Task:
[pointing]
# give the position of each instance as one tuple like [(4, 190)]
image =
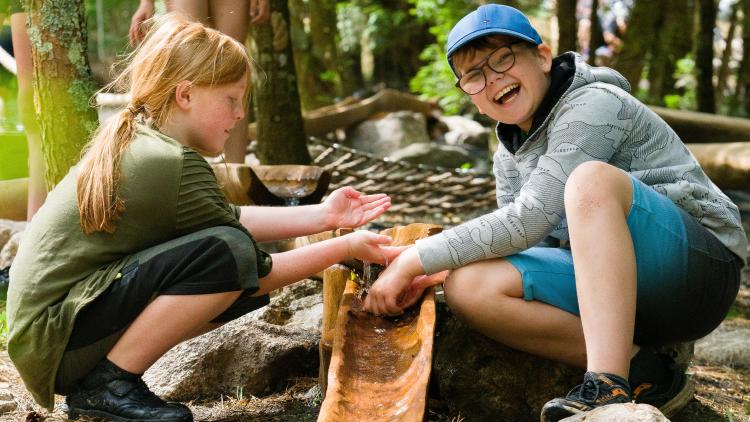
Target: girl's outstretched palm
[(347, 207)]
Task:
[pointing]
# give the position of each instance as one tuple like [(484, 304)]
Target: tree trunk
[(726, 55), (704, 56), (63, 84), (280, 132), (314, 52), (742, 91), (567, 26), (638, 40), (596, 39), (671, 45)]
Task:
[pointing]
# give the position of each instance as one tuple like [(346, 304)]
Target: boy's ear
[(544, 54), (182, 94)]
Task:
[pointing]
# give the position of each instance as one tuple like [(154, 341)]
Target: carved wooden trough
[(379, 367)]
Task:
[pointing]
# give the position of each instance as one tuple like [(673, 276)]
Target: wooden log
[(13, 197), (379, 366), (698, 127), (728, 165), (350, 112)]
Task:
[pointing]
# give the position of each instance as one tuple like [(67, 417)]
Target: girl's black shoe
[(113, 394)]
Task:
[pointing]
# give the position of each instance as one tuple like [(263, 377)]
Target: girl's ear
[(544, 54), (182, 94)]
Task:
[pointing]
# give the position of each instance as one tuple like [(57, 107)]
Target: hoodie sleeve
[(590, 124)]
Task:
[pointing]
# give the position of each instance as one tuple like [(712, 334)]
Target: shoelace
[(589, 386)]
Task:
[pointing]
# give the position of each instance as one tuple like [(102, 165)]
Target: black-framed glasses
[(499, 60)]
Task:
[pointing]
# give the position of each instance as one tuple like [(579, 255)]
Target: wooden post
[(334, 282)]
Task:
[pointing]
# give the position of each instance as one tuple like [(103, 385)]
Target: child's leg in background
[(25, 73)]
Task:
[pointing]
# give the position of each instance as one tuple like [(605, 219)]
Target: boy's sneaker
[(598, 389), (113, 394), (659, 379)]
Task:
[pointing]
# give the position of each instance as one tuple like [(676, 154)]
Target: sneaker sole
[(74, 414), (682, 398)]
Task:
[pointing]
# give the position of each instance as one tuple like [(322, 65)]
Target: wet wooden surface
[(380, 367)]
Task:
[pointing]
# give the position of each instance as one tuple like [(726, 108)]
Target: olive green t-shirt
[(168, 191)]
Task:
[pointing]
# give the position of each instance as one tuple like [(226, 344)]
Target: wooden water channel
[(374, 368)]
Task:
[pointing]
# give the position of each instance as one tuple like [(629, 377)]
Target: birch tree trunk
[(63, 85)]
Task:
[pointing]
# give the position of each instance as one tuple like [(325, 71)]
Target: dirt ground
[(722, 394)]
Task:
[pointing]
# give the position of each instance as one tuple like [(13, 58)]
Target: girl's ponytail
[(98, 200)]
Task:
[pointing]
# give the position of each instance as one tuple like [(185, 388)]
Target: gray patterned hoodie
[(594, 119)]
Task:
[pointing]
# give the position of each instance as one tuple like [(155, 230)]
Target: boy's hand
[(347, 207), (143, 13), (383, 297), (371, 247), (414, 290)]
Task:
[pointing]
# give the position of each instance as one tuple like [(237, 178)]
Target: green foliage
[(435, 78), (3, 327), (686, 83)]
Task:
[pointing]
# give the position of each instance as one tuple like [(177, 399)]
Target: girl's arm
[(294, 265), (344, 207)]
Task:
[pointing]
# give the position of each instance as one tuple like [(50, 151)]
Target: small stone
[(5, 395), (7, 406)]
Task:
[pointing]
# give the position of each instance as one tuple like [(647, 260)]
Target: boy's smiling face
[(513, 96)]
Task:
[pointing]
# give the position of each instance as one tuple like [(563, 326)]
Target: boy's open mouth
[(508, 94)]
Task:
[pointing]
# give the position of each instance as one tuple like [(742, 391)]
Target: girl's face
[(511, 97), (213, 113)]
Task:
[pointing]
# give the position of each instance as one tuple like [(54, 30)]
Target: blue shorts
[(687, 279)]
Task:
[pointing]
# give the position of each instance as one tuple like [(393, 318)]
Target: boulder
[(727, 345), (256, 354), (465, 131), (246, 355), (626, 412), (392, 132), (481, 379), (433, 154)]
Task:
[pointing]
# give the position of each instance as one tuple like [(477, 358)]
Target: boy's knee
[(460, 289), (593, 182)]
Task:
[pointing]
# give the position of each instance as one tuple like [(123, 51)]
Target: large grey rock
[(392, 132), (728, 345), (299, 305), (483, 380), (246, 355), (465, 131), (627, 412), (433, 154)]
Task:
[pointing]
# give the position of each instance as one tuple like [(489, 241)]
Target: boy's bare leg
[(165, 322), (231, 17), (488, 295), (597, 202), (25, 70)]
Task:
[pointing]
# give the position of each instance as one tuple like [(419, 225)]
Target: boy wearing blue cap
[(653, 249)]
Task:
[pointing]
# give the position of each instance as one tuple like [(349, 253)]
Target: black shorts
[(205, 262)]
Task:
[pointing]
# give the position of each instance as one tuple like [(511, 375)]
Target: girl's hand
[(347, 207), (383, 297), (371, 247), (143, 13)]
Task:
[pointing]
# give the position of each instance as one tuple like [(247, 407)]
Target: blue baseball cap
[(490, 19)]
